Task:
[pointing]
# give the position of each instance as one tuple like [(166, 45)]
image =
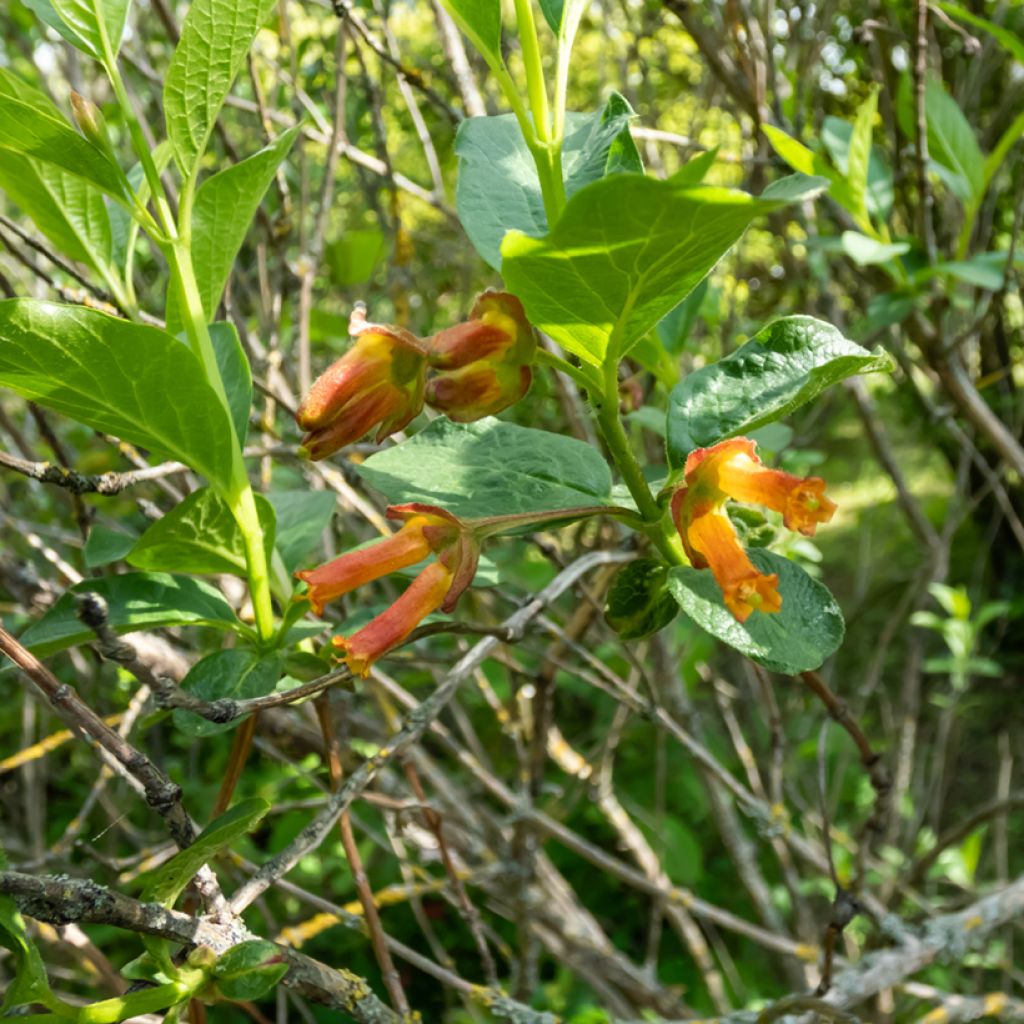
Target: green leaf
[(30, 984), (951, 139), (985, 270), (199, 535), (626, 251), (126, 379), (249, 970), (136, 600), (215, 38), (696, 168), (490, 468), (104, 546), (836, 137), (784, 365), (675, 328), (235, 372), (225, 205), (553, 11), (480, 20), (1009, 40), (952, 145), (69, 211), (302, 517), (169, 880), (238, 673), (796, 639), (638, 602), (353, 258), (865, 251), (858, 154), (84, 19), (498, 189), (32, 125)]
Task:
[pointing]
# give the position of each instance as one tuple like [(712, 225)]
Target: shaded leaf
[(136, 600), (490, 468), (199, 535), (498, 188), (237, 673), (168, 881)]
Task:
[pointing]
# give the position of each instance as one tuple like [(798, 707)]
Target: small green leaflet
[(199, 536), (798, 638), (249, 970), (638, 602), (30, 984), (627, 250), (79, 21), (784, 365), (67, 209), (126, 379), (498, 189), (34, 126), (136, 600), (865, 251), (490, 468), (215, 38), (480, 20), (166, 884), (237, 673)]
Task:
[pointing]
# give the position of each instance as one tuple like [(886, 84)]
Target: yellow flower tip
[(358, 662), (807, 506), (752, 593)]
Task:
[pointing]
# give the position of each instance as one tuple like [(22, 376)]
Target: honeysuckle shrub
[(595, 261)]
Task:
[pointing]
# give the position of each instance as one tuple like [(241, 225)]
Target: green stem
[(658, 530), (577, 373), (150, 1000), (175, 245), (535, 85)]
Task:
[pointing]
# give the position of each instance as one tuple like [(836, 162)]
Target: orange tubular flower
[(731, 469), (484, 364), (378, 383), (427, 530), (424, 595)]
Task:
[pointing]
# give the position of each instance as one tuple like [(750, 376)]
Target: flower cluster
[(731, 469), (426, 530), (483, 364), (468, 371)]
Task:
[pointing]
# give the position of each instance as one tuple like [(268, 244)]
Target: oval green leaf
[(122, 378), (784, 365), (626, 251), (796, 639), (490, 468), (136, 600)]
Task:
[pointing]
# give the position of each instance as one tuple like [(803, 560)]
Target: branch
[(416, 725), (163, 795), (94, 483), (60, 900)]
